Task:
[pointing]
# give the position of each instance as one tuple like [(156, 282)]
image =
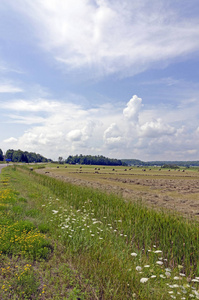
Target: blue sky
[(101, 77)]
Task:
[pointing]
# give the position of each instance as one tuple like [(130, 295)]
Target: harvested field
[(170, 189)]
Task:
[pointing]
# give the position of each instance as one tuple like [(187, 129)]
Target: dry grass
[(172, 190)]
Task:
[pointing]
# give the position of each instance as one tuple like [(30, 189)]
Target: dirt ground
[(169, 189)]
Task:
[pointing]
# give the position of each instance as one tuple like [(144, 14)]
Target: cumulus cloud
[(112, 136), (66, 128), (131, 112), (156, 128), (111, 36), (74, 135), (83, 134)]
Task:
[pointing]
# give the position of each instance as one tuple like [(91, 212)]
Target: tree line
[(169, 164), (94, 160), (22, 156)]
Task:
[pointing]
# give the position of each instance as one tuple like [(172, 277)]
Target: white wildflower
[(195, 280), (153, 276), (197, 294), (168, 270), (138, 268), (176, 278), (159, 262), (143, 280), (55, 211), (134, 254), (158, 251), (168, 274)]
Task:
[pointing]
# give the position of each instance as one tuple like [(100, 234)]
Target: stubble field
[(160, 188)]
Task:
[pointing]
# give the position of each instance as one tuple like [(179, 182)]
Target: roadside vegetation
[(60, 241)]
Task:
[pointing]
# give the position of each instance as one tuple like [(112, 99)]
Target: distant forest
[(31, 157), (94, 160), (22, 156), (137, 162)]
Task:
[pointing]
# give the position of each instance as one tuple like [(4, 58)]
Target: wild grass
[(143, 227), (25, 252), (122, 250)]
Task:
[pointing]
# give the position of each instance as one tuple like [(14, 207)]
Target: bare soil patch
[(173, 190)]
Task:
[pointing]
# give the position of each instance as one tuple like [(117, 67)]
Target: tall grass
[(143, 226), (127, 250)]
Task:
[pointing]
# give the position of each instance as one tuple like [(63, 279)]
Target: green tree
[(1, 155), (9, 154), (17, 156)]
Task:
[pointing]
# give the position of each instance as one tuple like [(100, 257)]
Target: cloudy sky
[(118, 78)]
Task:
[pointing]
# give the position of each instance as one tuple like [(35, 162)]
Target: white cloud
[(33, 106), (131, 112), (112, 136), (11, 140), (156, 128), (74, 135), (111, 36), (27, 120), (9, 88), (65, 128)]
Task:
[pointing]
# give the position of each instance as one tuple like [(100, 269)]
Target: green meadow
[(61, 241)]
